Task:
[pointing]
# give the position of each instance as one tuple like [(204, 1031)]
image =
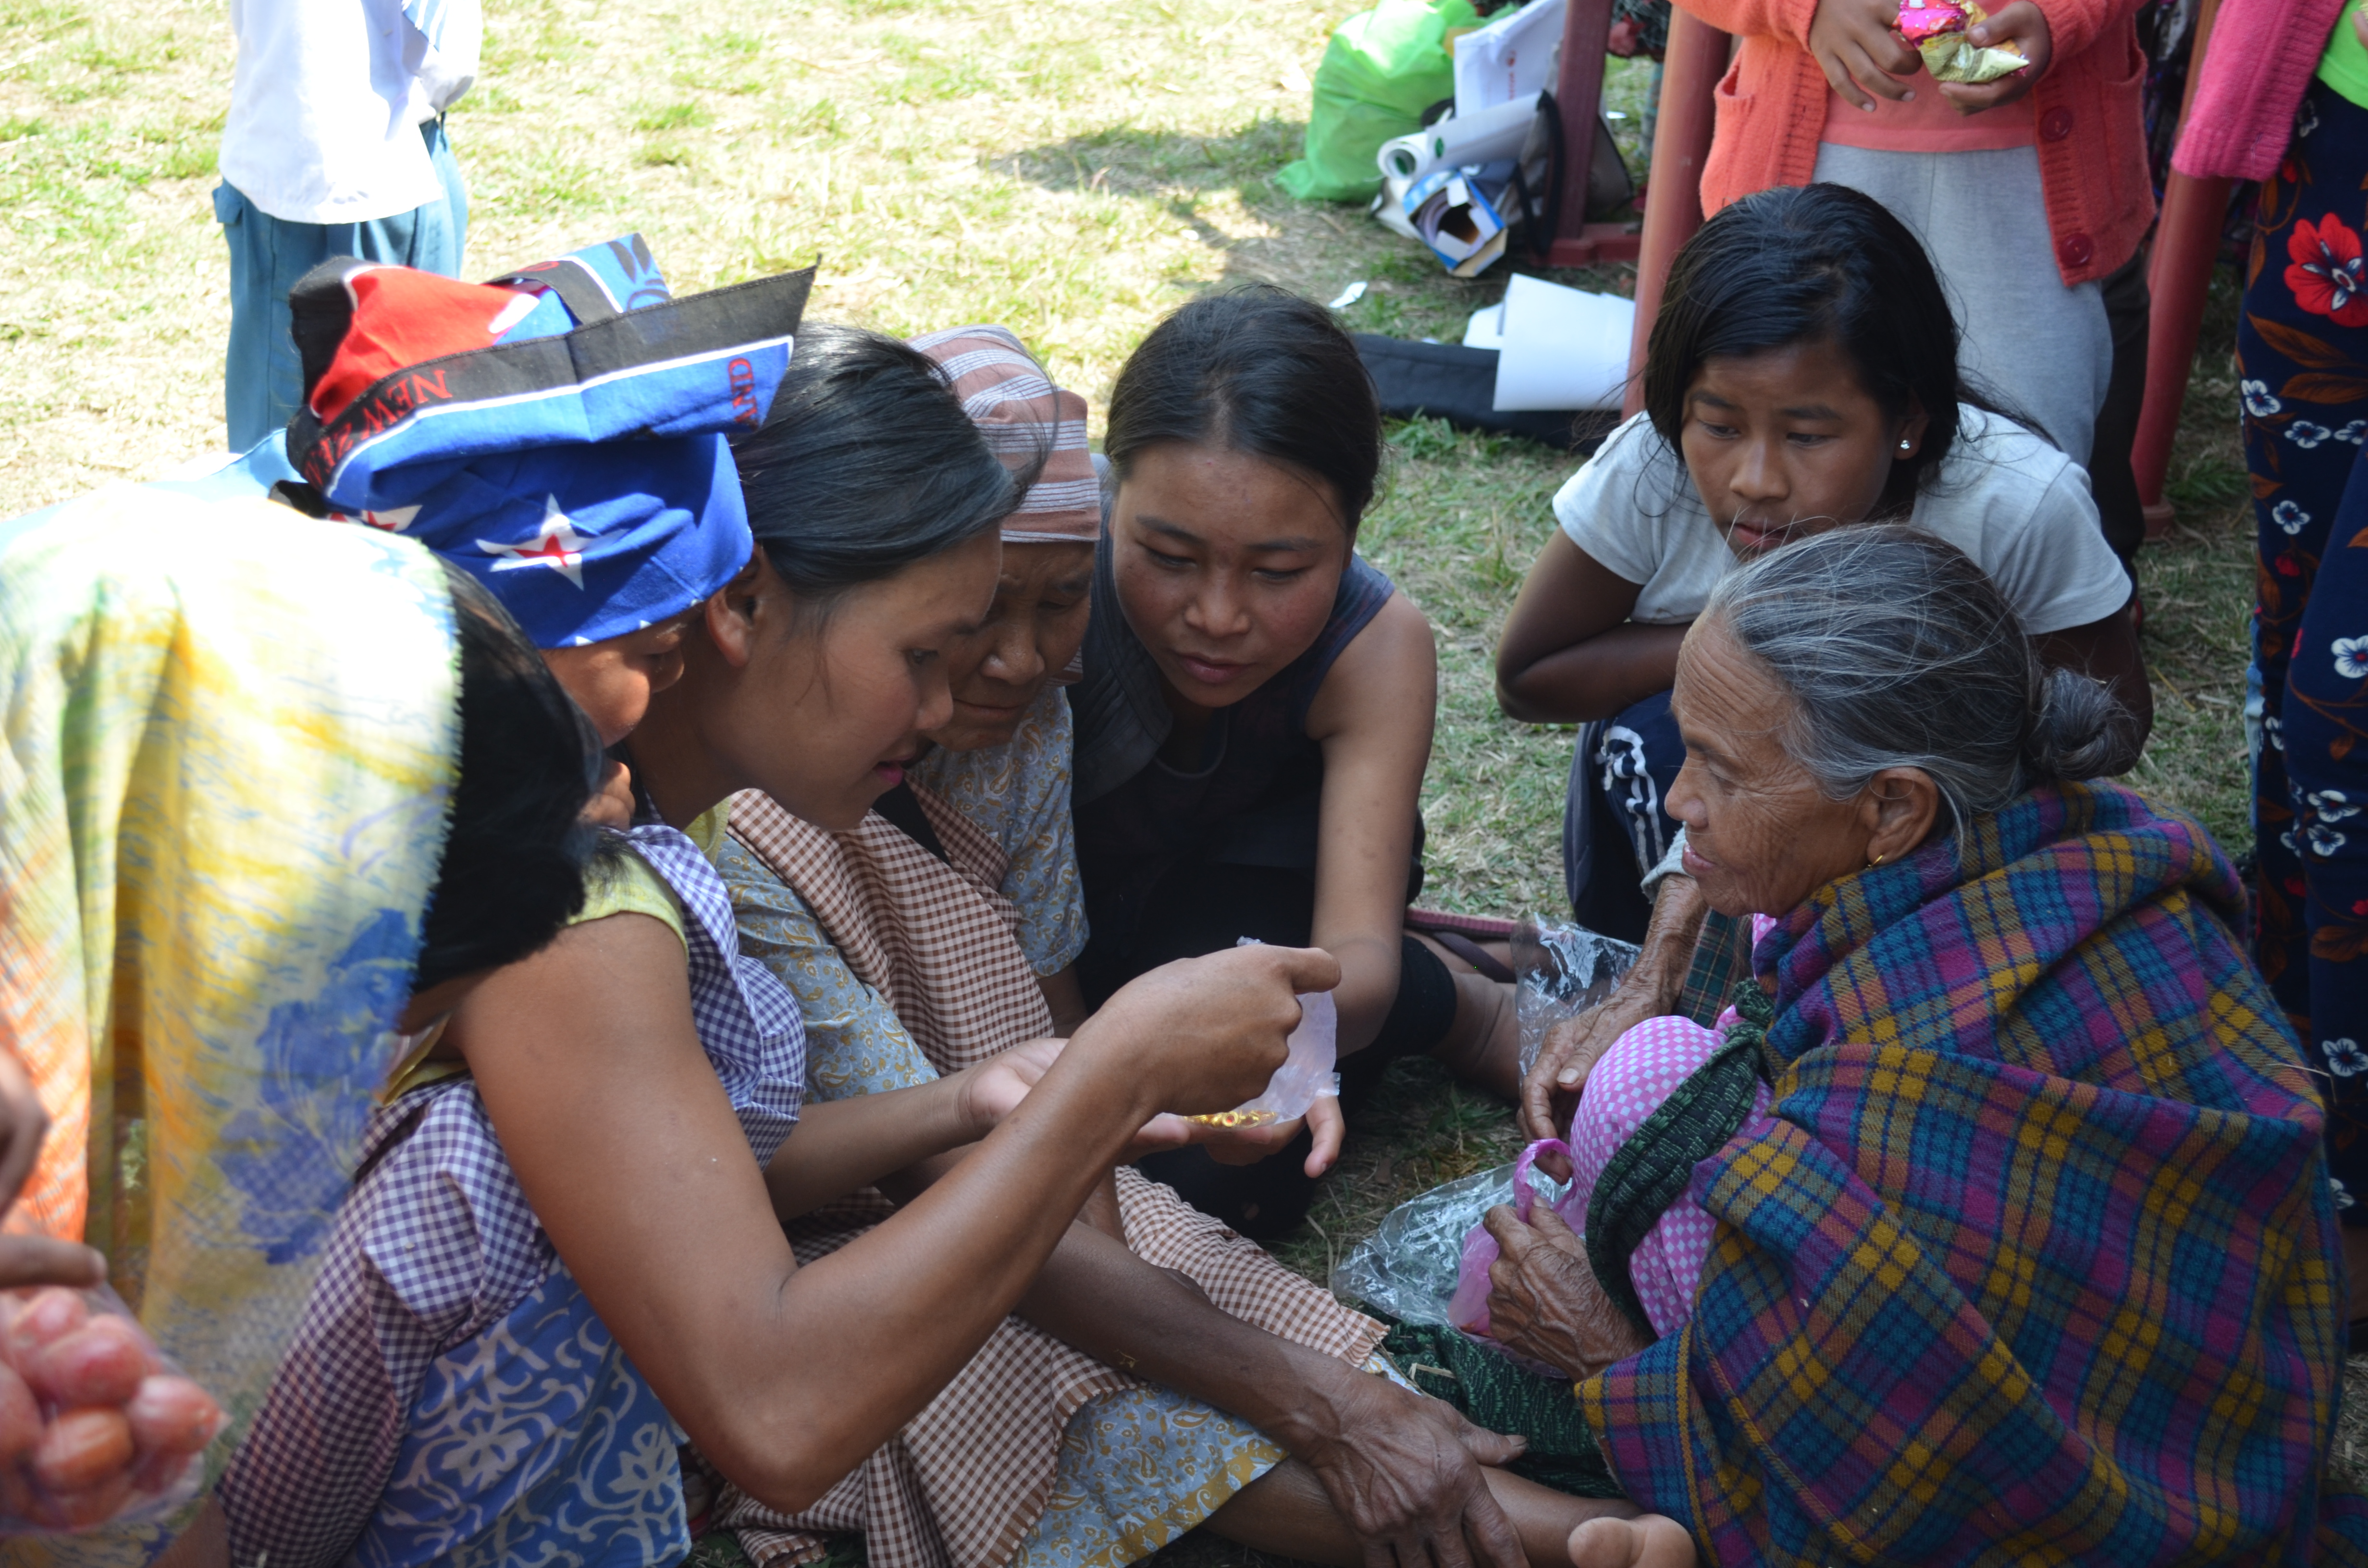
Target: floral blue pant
[(2325, 728), (2302, 350)]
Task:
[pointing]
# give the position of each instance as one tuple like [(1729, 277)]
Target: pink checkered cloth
[(1643, 1068)]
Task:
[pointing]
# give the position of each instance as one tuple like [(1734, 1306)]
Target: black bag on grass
[(1447, 381)]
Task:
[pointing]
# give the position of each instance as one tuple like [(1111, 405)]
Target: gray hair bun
[(2073, 732)]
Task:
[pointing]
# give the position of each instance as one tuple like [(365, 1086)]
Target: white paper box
[(1563, 349)]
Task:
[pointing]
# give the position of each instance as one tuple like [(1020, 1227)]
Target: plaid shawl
[(2036, 1261)]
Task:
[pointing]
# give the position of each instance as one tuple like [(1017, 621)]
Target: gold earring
[(1871, 865)]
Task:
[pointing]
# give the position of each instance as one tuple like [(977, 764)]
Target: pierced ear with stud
[(1906, 445)]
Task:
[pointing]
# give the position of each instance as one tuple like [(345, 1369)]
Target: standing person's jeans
[(262, 382)]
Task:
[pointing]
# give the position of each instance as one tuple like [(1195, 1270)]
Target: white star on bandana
[(557, 545), (395, 519)]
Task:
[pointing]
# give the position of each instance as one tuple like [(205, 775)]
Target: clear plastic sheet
[(1305, 1076), (1409, 1267), (1561, 971)]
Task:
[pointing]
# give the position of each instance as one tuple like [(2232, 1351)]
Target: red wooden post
[(2186, 243), (1578, 94), (1695, 60)]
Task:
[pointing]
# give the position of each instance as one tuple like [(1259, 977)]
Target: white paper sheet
[(1563, 349), (1515, 56), (1486, 327)]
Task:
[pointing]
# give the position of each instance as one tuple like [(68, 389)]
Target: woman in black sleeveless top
[(1256, 712)]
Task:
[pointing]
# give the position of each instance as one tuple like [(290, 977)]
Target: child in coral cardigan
[(2030, 192)]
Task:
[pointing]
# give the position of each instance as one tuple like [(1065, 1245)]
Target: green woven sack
[(1382, 68), (1493, 1392)]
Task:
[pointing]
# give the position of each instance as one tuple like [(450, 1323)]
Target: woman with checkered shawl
[(2032, 1255)]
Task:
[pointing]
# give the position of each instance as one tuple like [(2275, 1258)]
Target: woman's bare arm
[(1569, 652), (1373, 717), (787, 1378)]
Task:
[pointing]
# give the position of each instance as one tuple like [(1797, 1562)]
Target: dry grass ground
[(1073, 171)]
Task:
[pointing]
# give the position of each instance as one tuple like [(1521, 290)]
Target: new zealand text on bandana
[(559, 433)]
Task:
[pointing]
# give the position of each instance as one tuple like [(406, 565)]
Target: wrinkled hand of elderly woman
[(1404, 1473), (1543, 1301), (1571, 1048)]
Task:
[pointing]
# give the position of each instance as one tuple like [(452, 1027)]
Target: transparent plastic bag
[(1468, 1309), (1306, 1074), (97, 1426), (1560, 972)]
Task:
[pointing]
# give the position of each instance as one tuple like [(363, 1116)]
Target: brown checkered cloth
[(965, 1480)]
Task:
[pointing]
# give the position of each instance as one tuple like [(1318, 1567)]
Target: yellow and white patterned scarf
[(228, 737)]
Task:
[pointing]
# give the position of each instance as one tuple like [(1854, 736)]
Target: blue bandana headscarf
[(559, 434)]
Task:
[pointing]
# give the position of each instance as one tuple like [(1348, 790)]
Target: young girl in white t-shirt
[(1802, 375)]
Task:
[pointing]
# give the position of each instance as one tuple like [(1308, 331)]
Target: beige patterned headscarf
[(1024, 416)]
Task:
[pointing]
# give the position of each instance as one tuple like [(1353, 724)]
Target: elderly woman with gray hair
[(1996, 1226)]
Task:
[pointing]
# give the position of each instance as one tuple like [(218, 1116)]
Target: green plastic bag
[(1382, 68)]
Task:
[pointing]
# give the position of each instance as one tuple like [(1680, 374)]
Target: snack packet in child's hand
[(96, 1425), (1937, 28), (1920, 20)]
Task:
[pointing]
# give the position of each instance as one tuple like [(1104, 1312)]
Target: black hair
[(1800, 264), (514, 847), (866, 465), (1260, 371)]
